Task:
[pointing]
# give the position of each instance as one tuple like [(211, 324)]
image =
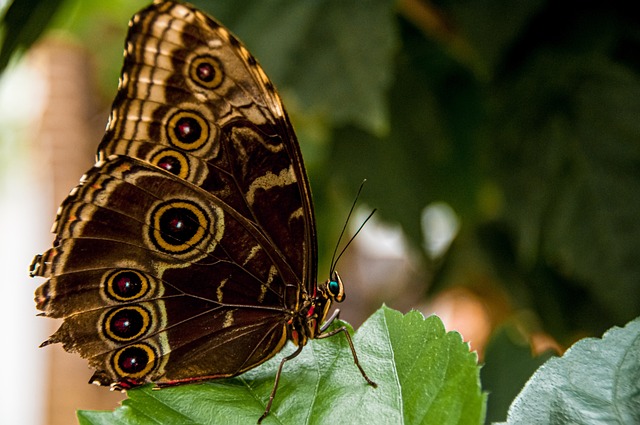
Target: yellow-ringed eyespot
[(126, 285), (173, 161), (188, 130), (206, 71), (178, 225), (126, 324), (134, 361)]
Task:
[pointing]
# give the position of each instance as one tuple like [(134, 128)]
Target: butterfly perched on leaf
[(188, 252)]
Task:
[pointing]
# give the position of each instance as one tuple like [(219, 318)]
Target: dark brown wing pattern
[(188, 252), (184, 251)]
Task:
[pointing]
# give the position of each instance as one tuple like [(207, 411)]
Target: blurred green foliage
[(508, 365), (523, 116)]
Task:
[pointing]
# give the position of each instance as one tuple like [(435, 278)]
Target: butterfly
[(188, 252)]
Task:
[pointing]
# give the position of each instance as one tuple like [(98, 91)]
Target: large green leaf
[(597, 381), (425, 375)]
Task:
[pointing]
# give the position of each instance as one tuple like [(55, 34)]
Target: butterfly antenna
[(334, 261), (352, 238)]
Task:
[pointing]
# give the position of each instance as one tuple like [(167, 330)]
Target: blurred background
[(500, 142)]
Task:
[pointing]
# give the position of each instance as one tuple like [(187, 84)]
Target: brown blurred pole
[(63, 149)]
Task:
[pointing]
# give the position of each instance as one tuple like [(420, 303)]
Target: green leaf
[(438, 375), (597, 381), (424, 375)]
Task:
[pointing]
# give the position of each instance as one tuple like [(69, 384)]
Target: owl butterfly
[(188, 252)]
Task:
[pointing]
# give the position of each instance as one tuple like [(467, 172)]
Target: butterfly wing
[(183, 252)]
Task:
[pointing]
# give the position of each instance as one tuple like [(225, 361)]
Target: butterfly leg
[(353, 350), (275, 384)]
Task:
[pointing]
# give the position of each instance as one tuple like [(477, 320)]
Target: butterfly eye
[(335, 288)]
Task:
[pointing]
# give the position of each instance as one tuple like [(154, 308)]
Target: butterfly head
[(333, 288)]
